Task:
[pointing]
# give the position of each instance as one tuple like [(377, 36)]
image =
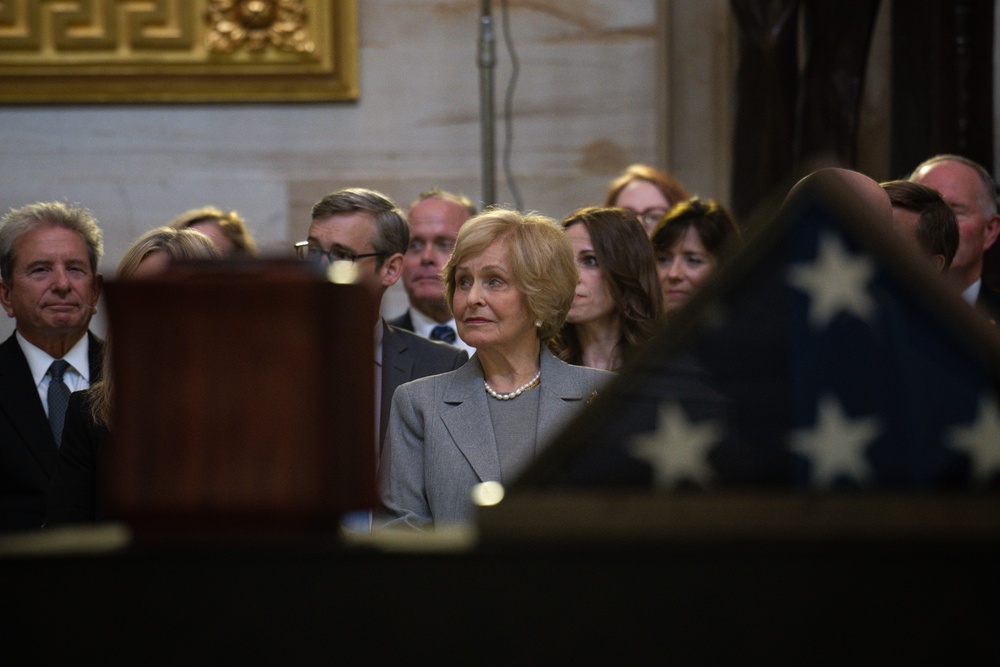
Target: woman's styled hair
[(625, 256), (541, 260), (713, 223), (670, 187), (232, 225), (178, 244)]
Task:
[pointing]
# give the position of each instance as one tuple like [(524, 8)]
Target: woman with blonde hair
[(510, 283), (226, 229), (75, 496)]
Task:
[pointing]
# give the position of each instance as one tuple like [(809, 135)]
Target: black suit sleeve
[(75, 493)]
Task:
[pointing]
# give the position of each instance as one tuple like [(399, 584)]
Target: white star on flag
[(980, 440), (678, 449), (835, 446), (837, 281)]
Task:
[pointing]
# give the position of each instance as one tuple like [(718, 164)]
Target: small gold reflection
[(487, 493), (342, 273)]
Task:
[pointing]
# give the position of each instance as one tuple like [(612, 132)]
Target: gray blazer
[(407, 356), (440, 441)]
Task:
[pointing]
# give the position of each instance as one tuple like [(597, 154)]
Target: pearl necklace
[(517, 392)]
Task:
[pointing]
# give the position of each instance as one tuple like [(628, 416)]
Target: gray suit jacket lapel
[(468, 417), (561, 397)]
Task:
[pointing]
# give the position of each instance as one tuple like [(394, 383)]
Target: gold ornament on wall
[(123, 51), (258, 24)]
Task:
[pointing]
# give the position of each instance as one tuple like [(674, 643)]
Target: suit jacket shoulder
[(988, 302), (404, 321), (407, 356), (96, 355), (414, 356)]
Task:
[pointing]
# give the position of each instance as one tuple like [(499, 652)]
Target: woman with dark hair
[(647, 192), (687, 242), (617, 302)]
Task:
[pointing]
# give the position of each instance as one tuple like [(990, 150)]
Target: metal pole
[(487, 61)]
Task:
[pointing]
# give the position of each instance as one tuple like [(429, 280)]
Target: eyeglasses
[(313, 253), (649, 216)]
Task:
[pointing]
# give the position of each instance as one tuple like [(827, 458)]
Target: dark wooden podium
[(244, 399)]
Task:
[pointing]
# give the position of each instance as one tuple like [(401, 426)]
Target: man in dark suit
[(969, 189), (366, 228), (434, 219), (49, 254)]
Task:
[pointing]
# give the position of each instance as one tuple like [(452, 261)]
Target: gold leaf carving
[(255, 25), (177, 51)]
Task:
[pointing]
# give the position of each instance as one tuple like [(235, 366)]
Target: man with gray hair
[(366, 228), (49, 253), (971, 193)]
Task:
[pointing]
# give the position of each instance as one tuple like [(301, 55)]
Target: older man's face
[(960, 187), (53, 291)]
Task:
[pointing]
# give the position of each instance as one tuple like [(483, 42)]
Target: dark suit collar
[(988, 302), (20, 401), (395, 351), (404, 321), (96, 354)]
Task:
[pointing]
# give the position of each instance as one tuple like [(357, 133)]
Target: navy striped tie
[(443, 333)]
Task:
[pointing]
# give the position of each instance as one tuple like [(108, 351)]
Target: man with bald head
[(434, 219), (864, 191), (971, 193)]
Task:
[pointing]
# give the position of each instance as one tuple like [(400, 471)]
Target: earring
[(538, 324)]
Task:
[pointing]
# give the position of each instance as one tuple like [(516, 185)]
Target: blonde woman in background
[(76, 496)]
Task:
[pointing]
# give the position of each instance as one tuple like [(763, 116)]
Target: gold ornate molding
[(54, 51)]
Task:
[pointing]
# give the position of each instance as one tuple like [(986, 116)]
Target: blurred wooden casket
[(244, 399)]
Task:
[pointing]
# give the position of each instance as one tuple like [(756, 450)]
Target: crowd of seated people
[(516, 320)]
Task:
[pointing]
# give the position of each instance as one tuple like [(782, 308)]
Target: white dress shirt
[(77, 376), (971, 292), (423, 325)]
